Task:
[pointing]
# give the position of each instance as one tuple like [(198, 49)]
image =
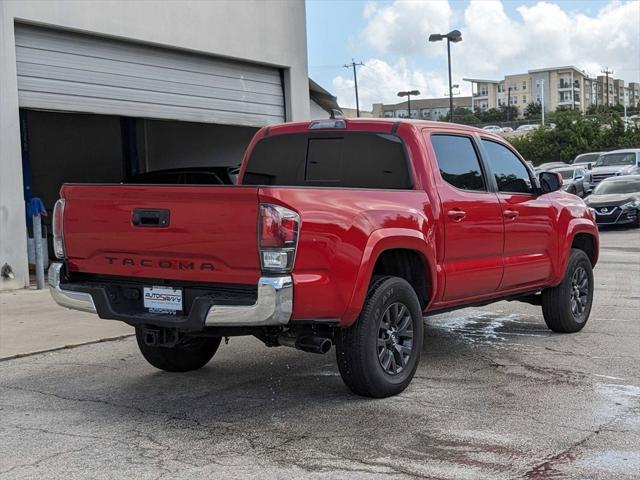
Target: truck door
[(472, 218), (528, 219)]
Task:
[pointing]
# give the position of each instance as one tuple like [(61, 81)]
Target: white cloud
[(379, 81), (494, 44), (404, 26)]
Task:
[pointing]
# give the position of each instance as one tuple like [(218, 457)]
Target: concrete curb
[(67, 347)]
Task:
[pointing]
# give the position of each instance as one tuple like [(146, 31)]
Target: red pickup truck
[(339, 232)]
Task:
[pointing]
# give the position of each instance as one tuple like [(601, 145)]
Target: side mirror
[(590, 166), (550, 182)]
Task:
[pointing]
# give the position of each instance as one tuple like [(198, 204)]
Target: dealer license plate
[(163, 300)]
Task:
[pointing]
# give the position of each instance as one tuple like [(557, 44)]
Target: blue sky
[(499, 37)]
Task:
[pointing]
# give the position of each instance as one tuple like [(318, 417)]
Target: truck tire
[(378, 355), (190, 354), (566, 307)]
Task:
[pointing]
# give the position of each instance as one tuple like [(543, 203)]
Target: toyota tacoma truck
[(339, 232)]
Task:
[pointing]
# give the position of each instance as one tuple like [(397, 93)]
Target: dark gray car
[(616, 201)]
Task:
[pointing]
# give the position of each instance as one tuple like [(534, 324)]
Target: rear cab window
[(330, 159), (458, 162)]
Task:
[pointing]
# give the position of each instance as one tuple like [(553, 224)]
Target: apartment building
[(421, 108), (557, 87)]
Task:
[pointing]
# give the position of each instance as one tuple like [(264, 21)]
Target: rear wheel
[(378, 355), (566, 307), (190, 353)]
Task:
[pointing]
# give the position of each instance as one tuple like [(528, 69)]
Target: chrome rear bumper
[(68, 298), (273, 305)]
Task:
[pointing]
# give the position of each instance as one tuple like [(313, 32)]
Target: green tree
[(533, 110), (575, 134)]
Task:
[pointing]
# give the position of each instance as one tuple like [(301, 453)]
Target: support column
[(13, 235)]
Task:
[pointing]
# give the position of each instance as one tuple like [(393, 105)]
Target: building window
[(524, 85), (524, 99)]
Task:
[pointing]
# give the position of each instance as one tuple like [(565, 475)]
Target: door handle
[(456, 214), (511, 214)]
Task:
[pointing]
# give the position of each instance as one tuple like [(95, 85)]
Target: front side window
[(458, 162), (511, 174), (341, 159)]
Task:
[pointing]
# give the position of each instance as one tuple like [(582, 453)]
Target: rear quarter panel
[(340, 235)]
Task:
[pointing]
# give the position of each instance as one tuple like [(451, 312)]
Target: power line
[(353, 65)]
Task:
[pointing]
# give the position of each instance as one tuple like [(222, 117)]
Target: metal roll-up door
[(66, 71)]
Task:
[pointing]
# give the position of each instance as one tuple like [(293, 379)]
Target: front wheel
[(191, 353), (378, 355), (566, 307)]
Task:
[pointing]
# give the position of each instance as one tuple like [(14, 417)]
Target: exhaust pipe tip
[(307, 343)]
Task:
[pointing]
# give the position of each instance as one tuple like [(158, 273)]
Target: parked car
[(610, 164), (527, 128), (493, 129), (335, 234), (507, 129), (187, 175), (572, 180), (545, 167), (586, 159), (616, 201)]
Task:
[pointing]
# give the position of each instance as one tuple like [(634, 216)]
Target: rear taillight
[(56, 224), (278, 238)]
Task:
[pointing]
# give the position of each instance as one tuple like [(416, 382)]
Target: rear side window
[(458, 162), (346, 159)]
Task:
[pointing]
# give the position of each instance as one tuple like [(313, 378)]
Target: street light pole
[(450, 87), (453, 36), (408, 94)]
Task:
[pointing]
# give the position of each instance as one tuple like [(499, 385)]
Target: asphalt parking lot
[(497, 395)]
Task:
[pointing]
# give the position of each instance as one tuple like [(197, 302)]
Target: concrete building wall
[(271, 33), (316, 111)]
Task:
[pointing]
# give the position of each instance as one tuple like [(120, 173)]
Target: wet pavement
[(497, 395)]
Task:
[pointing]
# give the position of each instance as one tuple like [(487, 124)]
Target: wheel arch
[(394, 251), (582, 235)]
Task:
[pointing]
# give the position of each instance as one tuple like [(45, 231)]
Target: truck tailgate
[(210, 233)]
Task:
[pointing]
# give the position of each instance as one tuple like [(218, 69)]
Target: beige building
[(558, 87), (352, 113), (421, 108)]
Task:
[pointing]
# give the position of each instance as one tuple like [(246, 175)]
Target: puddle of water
[(616, 462), (622, 394), (480, 326)]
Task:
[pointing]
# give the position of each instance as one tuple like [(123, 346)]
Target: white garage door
[(67, 71)]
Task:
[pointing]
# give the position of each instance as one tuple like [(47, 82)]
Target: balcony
[(565, 85)]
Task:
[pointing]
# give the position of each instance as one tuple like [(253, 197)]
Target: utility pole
[(607, 72), (355, 81), (509, 104)]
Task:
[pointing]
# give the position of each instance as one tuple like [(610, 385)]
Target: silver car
[(572, 180)]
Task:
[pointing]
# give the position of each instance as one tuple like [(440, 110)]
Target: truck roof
[(376, 123)]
